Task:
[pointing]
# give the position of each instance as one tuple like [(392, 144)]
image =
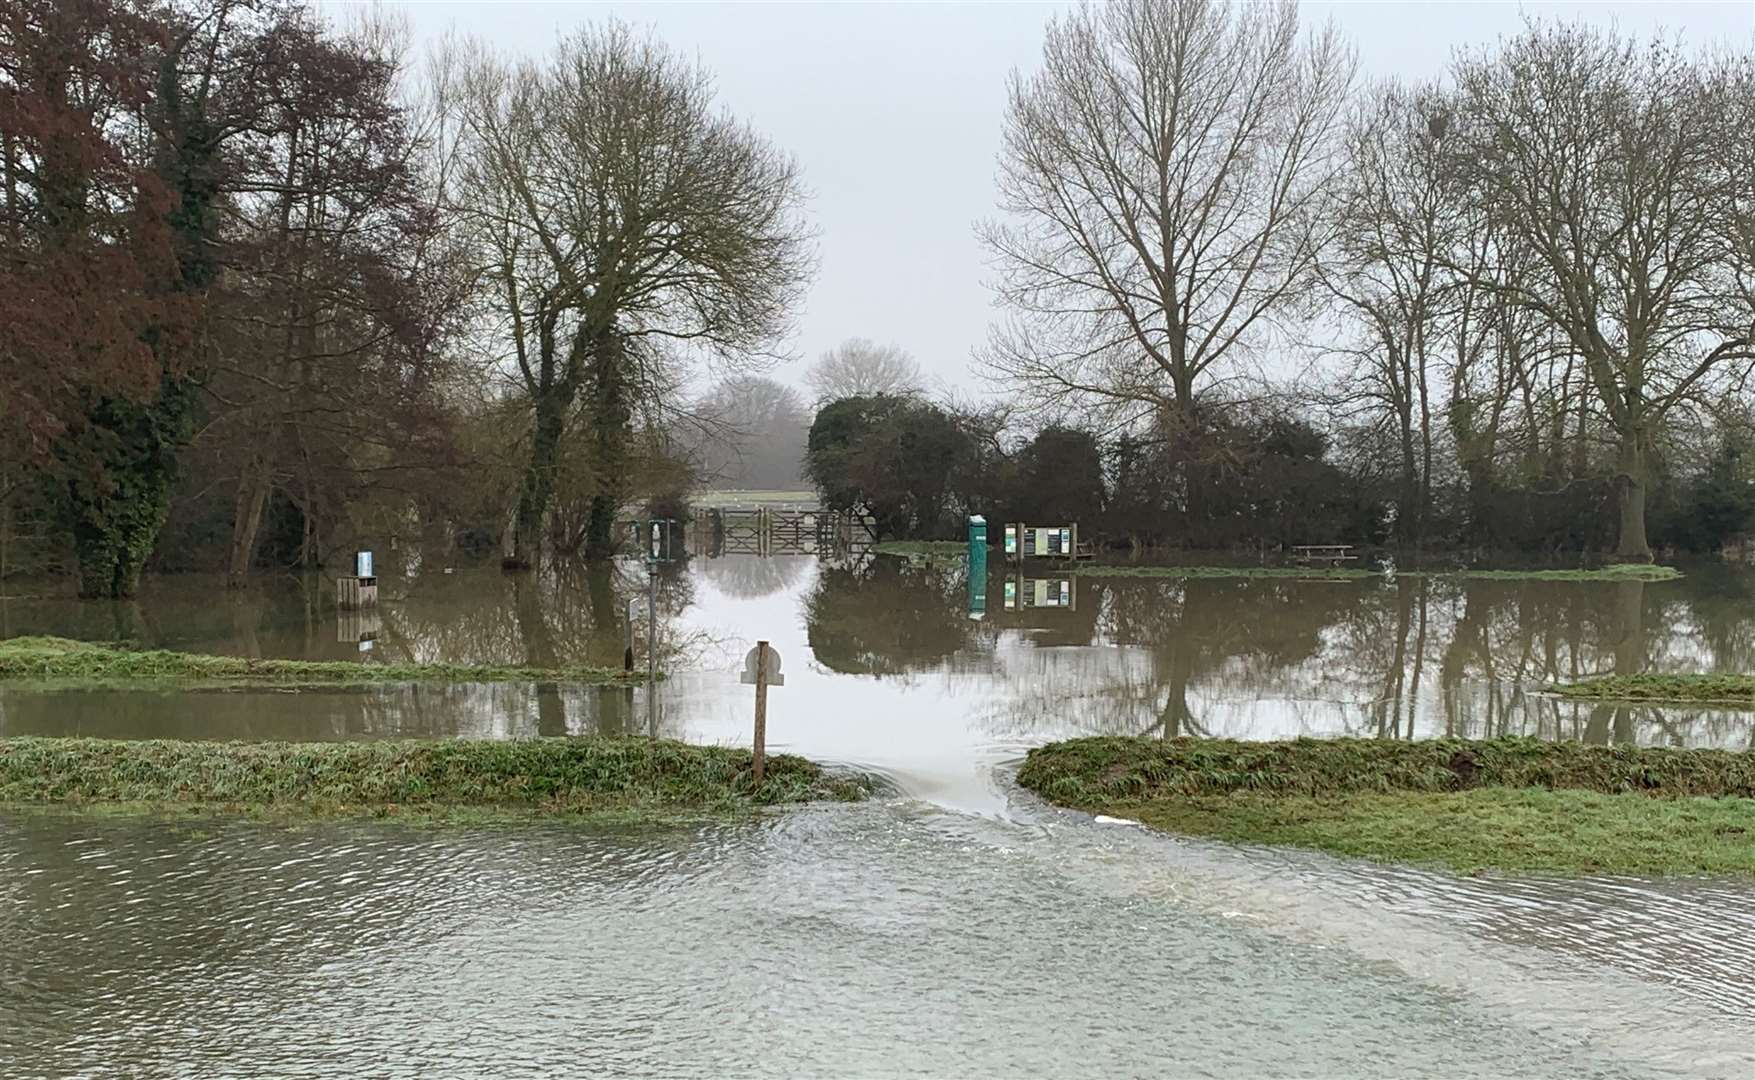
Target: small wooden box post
[(361, 590)]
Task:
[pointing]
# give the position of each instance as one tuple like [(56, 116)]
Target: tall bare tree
[(861, 368), (621, 217), (1398, 223), (325, 320), (1161, 179), (753, 433), (1602, 158)]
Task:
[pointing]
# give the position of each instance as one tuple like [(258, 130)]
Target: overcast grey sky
[(894, 113)]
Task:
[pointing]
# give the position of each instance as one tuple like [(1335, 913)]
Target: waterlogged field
[(938, 928)]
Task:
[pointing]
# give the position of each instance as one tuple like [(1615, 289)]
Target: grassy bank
[(1625, 572), (1503, 804), (921, 547), (58, 660), (1617, 572), (1737, 691), (594, 776), (1301, 573)]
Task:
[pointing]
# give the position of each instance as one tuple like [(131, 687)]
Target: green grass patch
[(1510, 804), (1617, 572), (51, 659), (1519, 830), (1622, 572), (921, 547), (1300, 573), (446, 779), (1737, 691)]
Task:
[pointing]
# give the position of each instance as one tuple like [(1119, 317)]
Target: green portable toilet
[(977, 566)]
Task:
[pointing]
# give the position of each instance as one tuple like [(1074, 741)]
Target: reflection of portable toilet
[(977, 566)]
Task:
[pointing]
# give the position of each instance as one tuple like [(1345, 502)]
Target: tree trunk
[(96, 553), (1408, 513), (538, 487), (126, 463), (611, 415), (1188, 451), (1630, 486), (247, 521)]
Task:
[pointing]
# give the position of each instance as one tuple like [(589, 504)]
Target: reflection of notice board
[(1051, 593)]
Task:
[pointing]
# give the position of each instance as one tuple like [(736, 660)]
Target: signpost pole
[(651, 624), (628, 639), (761, 740)]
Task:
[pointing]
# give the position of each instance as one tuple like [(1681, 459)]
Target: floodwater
[(953, 927)]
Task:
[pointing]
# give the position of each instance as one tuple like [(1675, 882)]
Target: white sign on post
[(774, 676)]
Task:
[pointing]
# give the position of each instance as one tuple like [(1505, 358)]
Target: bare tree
[(1397, 221), (1733, 90), (861, 368), (621, 218), (1601, 157), (755, 431), (1162, 179)]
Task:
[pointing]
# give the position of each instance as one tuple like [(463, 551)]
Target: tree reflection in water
[(1252, 657), (750, 577), (891, 619), (1242, 657)]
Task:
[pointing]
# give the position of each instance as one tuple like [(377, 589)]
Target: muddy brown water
[(956, 926)]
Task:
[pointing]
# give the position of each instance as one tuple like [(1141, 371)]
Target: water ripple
[(887, 939)]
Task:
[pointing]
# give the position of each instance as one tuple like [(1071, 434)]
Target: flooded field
[(954, 926), (886, 668)]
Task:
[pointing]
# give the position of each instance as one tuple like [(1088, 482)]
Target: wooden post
[(355, 593), (761, 747)]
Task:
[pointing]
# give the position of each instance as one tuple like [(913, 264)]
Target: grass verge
[(1622, 572), (920, 547), (1737, 691), (1502, 804), (427, 780), (1616, 572), (51, 659), (1516, 830), (1301, 573)]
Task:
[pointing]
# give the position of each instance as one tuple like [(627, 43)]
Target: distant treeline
[(1251, 477)]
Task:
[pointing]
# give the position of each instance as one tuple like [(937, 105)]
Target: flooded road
[(887, 939), (955, 927)]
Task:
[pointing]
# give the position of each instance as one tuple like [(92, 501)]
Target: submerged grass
[(54, 659), (1508, 804), (1619, 572), (1616, 572), (1732, 690), (444, 780), (1301, 573), (920, 547)]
